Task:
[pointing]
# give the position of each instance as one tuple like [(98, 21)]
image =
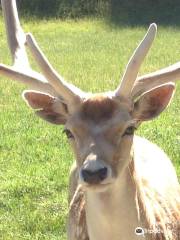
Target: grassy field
[(34, 156)]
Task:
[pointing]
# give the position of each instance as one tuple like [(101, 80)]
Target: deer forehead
[(99, 113), (99, 108)]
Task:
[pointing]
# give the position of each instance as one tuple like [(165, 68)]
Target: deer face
[(101, 129), (101, 134)]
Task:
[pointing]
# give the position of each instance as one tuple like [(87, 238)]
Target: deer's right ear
[(46, 106)]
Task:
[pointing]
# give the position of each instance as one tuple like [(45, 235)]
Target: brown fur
[(78, 215), (99, 108)]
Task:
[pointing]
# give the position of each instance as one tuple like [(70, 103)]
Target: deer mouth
[(97, 187)]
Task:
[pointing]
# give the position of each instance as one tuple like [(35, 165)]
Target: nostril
[(86, 174), (94, 177), (102, 173)]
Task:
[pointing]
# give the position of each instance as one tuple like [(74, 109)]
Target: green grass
[(34, 156)]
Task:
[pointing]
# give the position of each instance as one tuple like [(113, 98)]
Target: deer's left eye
[(68, 133), (129, 131)]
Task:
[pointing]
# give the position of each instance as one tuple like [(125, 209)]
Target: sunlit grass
[(34, 156)]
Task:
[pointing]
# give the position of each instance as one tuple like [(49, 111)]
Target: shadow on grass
[(116, 12), (143, 12)]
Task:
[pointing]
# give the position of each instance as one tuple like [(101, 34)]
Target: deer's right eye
[(68, 133)]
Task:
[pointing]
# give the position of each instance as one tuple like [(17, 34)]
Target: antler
[(133, 86), (15, 34), (21, 70), (56, 86), (135, 62), (151, 80), (61, 86)]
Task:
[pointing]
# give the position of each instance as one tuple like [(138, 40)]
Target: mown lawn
[(34, 156)]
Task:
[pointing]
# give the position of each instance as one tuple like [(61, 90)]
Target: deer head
[(100, 127)]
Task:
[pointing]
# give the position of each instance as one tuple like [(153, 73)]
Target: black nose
[(94, 177)]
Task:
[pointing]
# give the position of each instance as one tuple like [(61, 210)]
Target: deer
[(121, 186)]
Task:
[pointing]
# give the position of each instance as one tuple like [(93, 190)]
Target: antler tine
[(135, 62), (15, 35), (151, 80), (66, 90), (21, 70), (32, 79)]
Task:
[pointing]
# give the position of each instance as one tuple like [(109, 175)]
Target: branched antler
[(131, 85), (51, 82), (21, 70)]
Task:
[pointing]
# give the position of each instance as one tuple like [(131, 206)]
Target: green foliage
[(63, 8), (34, 156), (142, 12), (129, 12)]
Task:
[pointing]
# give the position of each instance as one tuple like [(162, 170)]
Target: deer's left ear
[(153, 102), (46, 106)]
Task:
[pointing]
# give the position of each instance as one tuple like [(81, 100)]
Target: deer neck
[(113, 214)]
